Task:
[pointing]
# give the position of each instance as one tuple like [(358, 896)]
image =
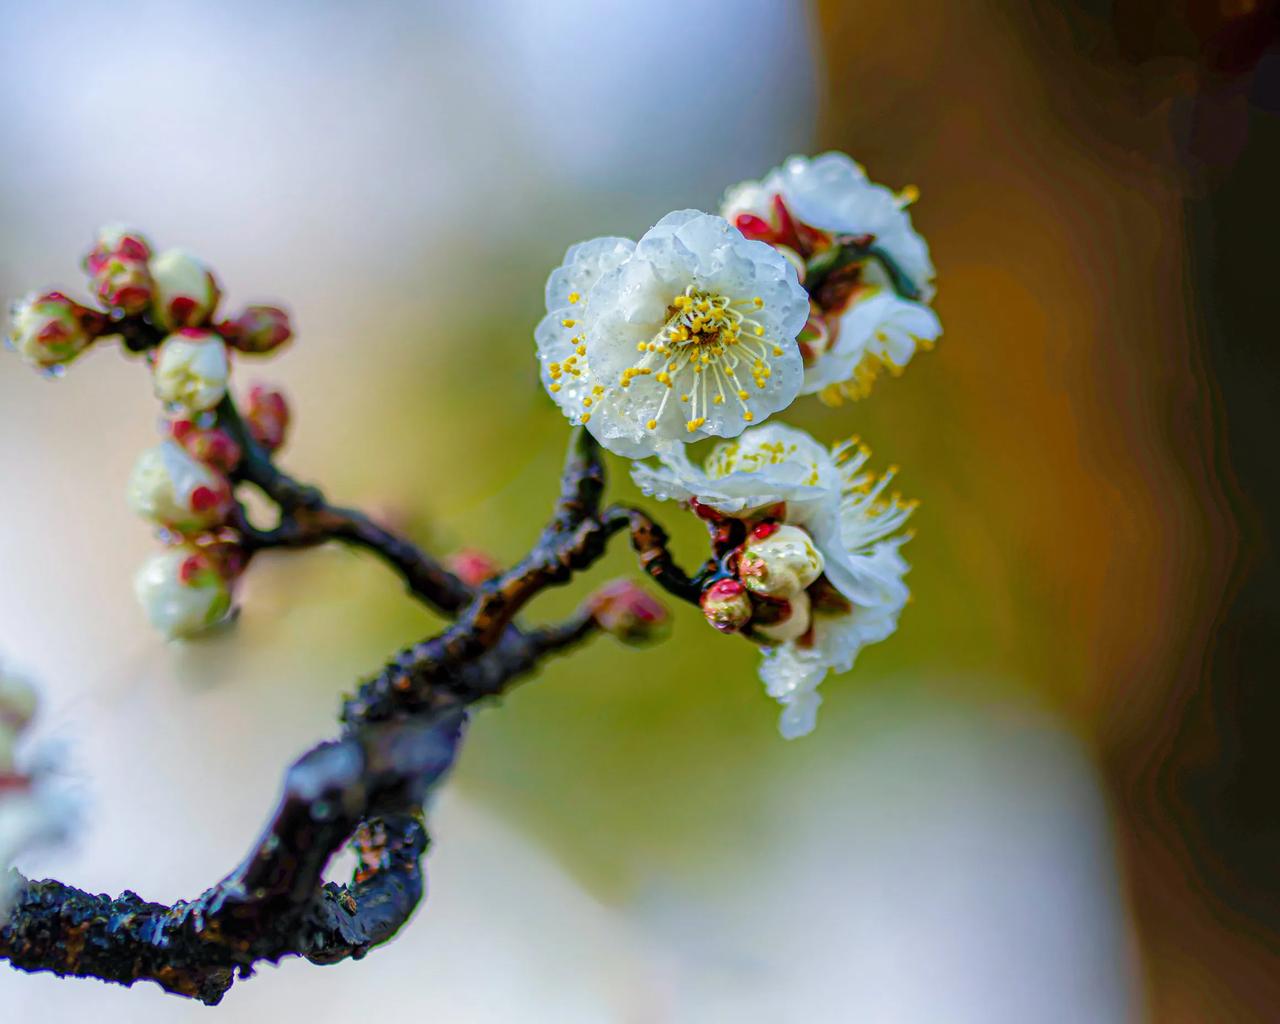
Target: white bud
[(780, 563), (50, 329), (191, 370), (186, 292), (183, 591), (792, 626), (172, 489)]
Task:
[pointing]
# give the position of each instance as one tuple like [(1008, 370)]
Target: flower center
[(708, 346)]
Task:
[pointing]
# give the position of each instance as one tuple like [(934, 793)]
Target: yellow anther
[(748, 415), (652, 424), (568, 323), (573, 298)]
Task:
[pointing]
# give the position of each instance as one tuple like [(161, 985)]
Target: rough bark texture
[(400, 735)]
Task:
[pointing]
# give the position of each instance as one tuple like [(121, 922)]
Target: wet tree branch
[(400, 737)]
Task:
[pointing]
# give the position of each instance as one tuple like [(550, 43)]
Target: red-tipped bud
[(627, 611), (727, 605), (186, 292), (173, 490), (118, 271), (50, 330), (259, 329), (212, 446), (116, 240), (473, 567), (267, 415)]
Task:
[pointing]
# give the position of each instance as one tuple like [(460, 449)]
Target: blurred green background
[(984, 826)]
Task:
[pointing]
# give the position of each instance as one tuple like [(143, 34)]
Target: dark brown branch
[(400, 737), (308, 520), (649, 540), (274, 904)]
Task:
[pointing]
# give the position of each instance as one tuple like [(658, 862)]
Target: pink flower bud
[(267, 415), (777, 622), (212, 446), (50, 330), (259, 329), (124, 285), (186, 292), (117, 267), (625, 610), (116, 240), (172, 489), (473, 567), (183, 590), (779, 561), (191, 369), (727, 605)]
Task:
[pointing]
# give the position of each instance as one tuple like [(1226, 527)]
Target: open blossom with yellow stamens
[(820, 559), (864, 319), (689, 333), (876, 333)]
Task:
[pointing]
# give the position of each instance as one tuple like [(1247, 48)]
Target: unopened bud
[(183, 591), (49, 329), (473, 567), (625, 610), (118, 272), (727, 605), (172, 489), (116, 240), (780, 621), (186, 292), (259, 329), (191, 369), (212, 445), (779, 561), (266, 413)]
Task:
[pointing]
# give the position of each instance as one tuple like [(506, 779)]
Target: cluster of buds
[(30, 813), (773, 578), (165, 305)]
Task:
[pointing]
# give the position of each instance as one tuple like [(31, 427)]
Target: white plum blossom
[(777, 472), (191, 370), (688, 333), (185, 291), (801, 206), (172, 489), (833, 194), (183, 591), (875, 332)]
